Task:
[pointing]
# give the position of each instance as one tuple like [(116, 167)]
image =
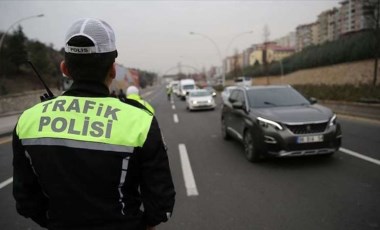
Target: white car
[(226, 93), (200, 99)]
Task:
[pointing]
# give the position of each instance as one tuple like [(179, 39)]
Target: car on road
[(243, 81), (278, 121), (199, 99)]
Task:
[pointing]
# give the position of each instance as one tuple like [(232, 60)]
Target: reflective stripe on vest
[(86, 122)]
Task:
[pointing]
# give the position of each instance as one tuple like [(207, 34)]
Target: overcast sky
[(154, 35)]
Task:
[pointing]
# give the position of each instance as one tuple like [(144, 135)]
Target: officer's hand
[(150, 228)]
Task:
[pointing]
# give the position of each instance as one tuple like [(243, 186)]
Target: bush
[(354, 47)]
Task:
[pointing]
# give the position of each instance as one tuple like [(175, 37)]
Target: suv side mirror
[(237, 105), (313, 100)]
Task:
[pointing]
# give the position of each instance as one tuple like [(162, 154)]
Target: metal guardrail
[(364, 110)]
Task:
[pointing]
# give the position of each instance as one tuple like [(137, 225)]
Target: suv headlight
[(332, 120), (265, 123)]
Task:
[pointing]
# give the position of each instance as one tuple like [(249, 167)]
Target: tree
[(17, 43), (14, 52), (39, 55)]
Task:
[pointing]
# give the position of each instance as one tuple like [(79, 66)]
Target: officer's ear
[(111, 75), (112, 72), (64, 69)]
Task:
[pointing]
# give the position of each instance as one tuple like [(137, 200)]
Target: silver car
[(200, 99)]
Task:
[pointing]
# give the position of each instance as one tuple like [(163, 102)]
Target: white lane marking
[(173, 107), (188, 176), (5, 183), (175, 117), (358, 155), (147, 93)]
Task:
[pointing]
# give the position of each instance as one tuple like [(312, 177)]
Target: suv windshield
[(273, 97)]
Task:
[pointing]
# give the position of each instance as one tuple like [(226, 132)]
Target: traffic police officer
[(85, 160), (133, 93)]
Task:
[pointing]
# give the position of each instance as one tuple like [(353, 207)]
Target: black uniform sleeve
[(30, 200), (157, 187)]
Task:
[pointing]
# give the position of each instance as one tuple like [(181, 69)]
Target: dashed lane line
[(5, 183), (175, 117), (188, 176), (173, 107), (358, 155)]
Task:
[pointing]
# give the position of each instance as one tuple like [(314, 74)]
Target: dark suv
[(278, 121)]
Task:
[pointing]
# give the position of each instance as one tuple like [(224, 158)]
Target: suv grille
[(307, 128)]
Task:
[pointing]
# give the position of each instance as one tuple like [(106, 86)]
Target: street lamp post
[(234, 38), (18, 21), (219, 53)]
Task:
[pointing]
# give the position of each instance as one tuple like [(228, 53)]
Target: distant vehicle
[(211, 90), (226, 92), (243, 81), (184, 86), (200, 99), (176, 88), (278, 121), (174, 85)]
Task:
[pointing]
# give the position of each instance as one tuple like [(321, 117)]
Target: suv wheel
[(225, 134), (250, 150)]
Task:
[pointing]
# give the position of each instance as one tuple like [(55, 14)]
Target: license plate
[(310, 139)]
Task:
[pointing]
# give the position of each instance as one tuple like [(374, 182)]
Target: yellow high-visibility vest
[(141, 101), (85, 122)]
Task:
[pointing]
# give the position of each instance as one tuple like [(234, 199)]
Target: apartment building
[(288, 40), (307, 35), (274, 53), (351, 16), (233, 62), (246, 55), (327, 26)]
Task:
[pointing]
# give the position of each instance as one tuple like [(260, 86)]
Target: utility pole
[(265, 52)]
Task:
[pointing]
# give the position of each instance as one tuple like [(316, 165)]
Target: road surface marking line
[(358, 155), (5, 183), (5, 140), (175, 117), (188, 176), (147, 93), (173, 107)]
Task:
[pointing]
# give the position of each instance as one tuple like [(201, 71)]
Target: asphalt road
[(222, 190)]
